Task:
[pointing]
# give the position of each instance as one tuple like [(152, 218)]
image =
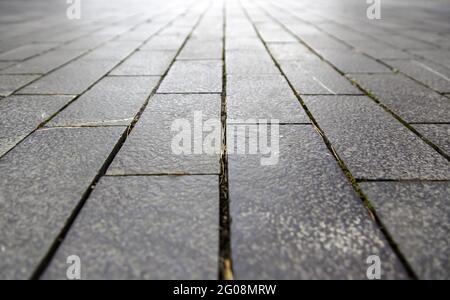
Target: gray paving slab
[(353, 62), (112, 101), (27, 51), (317, 77), (271, 32), (433, 75), (145, 63), (263, 97), (438, 56), (291, 51), (161, 42), (44, 63), (250, 62), (372, 143), (115, 50), (42, 181), (379, 50), (200, 49), (410, 100), (193, 77), (5, 64), (146, 228), (416, 215), (155, 145), (73, 78), (11, 83), (87, 42), (439, 134), (244, 43), (20, 115), (300, 218)]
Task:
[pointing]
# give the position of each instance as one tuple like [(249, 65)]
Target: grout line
[(45, 262), (225, 258), (343, 166)]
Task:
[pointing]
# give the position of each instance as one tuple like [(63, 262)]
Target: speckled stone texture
[(263, 97), (193, 77), (20, 115), (372, 143), (148, 150), (42, 181), (439, 134), (114, 100), (416, 214), (301, 219), (411, 101), (163, 227)]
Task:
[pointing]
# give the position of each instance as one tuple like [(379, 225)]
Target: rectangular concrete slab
[(263, 97), (73, 78), (10, 83), (353, 62), (410, 100), (372, 143), (201, 49), (193, 77), (300, 218), (251, 62), (163, 227), (42, 181), (44, 63), (27, 51), (145, 63), (317, 77), (112, 101), (433, 75), (20, 115), (165, 129), (416, 215)]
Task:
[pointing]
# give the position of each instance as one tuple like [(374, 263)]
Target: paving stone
[(416, 215), (193, 77), (146, 63), (433, 75), (149, 150), (263, 97), (410, 100), (271, 32), (404, 42), (5, 64), (73, 78), (323, 42), (11, 83), (164, 43), (44, 63), (132, 226), (116, 50), (379, 50), (439, 134), (244, 43), (317, 77), (291, 51), (353, 62), (26, 51), (87, 42), (202, 50), (42, 181), (372, 143), (112, 101), (20, 115), (438, 56), (300, 218), (250, 62)]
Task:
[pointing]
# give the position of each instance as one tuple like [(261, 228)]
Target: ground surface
[(86, 166)]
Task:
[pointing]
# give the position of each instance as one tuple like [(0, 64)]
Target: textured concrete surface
[(141, 227), (416, 215), (91, 109)]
